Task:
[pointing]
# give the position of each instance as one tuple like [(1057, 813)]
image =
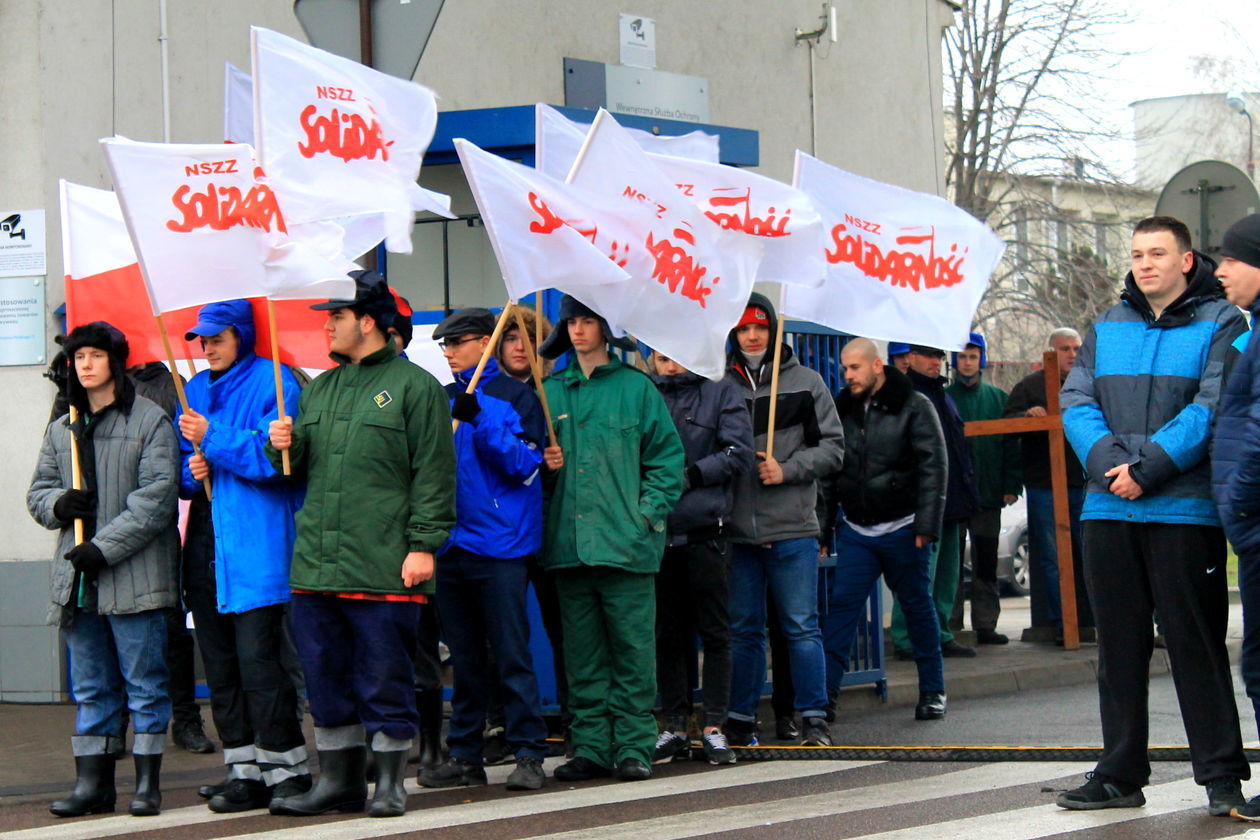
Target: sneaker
[(452, 773), (671, 746), (1100, 792), (817, 734), (931, 706), (740, 733), (1250, 811), (633, 770), (952, 648), (991, 637), (192, 737), (785, 728), (580, 769), (496, 750), (1224, 795), (716, 749), (241, 795), (292, 786), (528, 774)]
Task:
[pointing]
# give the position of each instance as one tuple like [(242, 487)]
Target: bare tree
[(1023, 154)]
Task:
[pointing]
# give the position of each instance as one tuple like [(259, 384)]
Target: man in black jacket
[(693, 585), (891, 491)]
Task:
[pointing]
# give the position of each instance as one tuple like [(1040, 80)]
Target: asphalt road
[(794, 799)]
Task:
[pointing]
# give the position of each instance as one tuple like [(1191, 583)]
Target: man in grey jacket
[(774, 527), (110, 591)]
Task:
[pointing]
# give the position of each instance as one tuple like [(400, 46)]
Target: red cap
[(404, 308), (754, 315)]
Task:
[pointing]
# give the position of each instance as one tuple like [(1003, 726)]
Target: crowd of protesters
[(330, 546)]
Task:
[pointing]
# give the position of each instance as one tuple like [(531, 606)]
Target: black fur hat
[(102, 336)]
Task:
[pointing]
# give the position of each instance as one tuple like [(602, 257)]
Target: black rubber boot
[(93, 788), (429, 705), (341, 786), (390, 799), (148, 799)]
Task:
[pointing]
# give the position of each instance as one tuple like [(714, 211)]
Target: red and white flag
[(238, 105), (207, 227), (902, 265), (342, 142), (557, 140), (782, 217), (690, 278), (545, 233), (103, 283)]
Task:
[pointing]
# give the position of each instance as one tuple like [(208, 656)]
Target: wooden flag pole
[(774, 388), (485, 356), (179, 386), (275, 366), (76, 481), (535, 366)]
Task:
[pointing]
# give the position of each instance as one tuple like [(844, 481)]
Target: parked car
[(1012, 564)]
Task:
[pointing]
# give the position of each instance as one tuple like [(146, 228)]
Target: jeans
[(860, 560), (117, 661), (1043, 552), (692, 591), (1249, 590), (945, 568), (357, 656), (986, 603), (482, 600), (786, 572)]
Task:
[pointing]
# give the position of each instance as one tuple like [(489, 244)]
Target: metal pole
[(1204, 191), (1251, 146)]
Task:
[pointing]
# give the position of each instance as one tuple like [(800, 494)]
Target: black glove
[(465, 407), (86, 558), (75, 504), (692, 477)]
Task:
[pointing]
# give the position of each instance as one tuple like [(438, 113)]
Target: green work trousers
[(609, 618)]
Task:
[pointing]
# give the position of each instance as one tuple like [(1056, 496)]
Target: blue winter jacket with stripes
[(1236, 448), (498, 489), (1144, 391), (253, 506)]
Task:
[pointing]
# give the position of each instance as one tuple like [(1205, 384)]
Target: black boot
[(148, 799), (429, 705), (390, 799), (93, 788), (341, 786)]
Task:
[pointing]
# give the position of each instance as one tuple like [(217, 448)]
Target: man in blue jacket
[(236, 560), (1236, 453), (482, 570), (1138, 408)]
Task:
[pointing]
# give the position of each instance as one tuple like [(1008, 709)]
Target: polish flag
[(103, 283)]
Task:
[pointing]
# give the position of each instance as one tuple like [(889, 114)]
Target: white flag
[(342, 142), (238, 105), (782, 217), (545, 233), (902, 265), (207, 227), (691, 278), (558, 138)]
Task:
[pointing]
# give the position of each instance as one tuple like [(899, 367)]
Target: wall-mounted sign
[(22, 249), (22, 324), (638, 41), (630, 90)]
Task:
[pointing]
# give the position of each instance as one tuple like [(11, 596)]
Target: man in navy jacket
[(1236, 453), (481, 573)]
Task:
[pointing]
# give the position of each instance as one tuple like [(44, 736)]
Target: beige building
[(73, 71)]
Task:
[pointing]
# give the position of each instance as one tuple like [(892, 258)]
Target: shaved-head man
[(891, 493)]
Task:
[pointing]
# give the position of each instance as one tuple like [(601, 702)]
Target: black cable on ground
[(946, 753)]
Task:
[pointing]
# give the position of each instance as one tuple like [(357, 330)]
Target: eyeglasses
[(451, 344)]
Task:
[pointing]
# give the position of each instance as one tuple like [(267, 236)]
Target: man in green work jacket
[(614, 476), (374, 446)]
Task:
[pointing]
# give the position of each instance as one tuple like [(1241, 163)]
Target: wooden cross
[(1052, 424)]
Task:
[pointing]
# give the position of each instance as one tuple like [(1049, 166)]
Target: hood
[(214, 318), (107, 337), (686, 379), (736, 358), (973, 338), (557, 343), (1201, 284)]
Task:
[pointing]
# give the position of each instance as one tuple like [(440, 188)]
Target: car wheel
[(1019, 567)]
